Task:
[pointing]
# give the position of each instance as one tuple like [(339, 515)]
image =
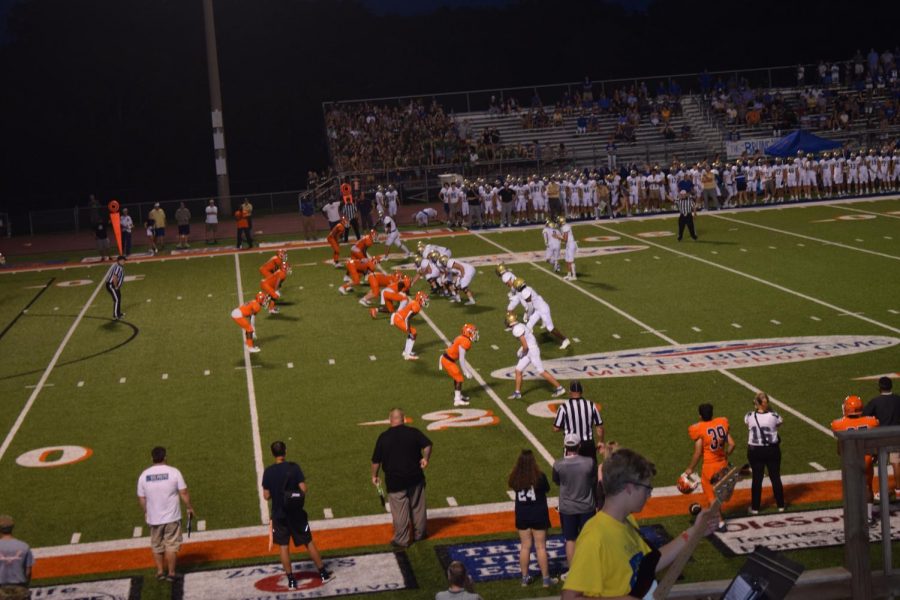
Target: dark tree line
[(111, 97)]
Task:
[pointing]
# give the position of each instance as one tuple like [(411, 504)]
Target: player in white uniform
[(853, 174), (792, 177), (379, 199), (424, 216), (567, 240), (552, 243), (728, 180), (393, 202), (538, 197), (826, 164), (521, 205), (460, 276), (392, 235), (632, 183), (538, 311), (838, 174), (778, 175), (529, 354), (444, 195), (863, 168)]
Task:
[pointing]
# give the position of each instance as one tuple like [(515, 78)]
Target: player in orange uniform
[(402, 320), (273, 264), (712, 440), (453, 361), (395, 292), (377, 281), (360, 249), (334, 240), (853, 419), (356, 268), (244, 315), (271, 284)]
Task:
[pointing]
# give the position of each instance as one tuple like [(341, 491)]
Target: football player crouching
[(459, 277), (453, 361), (402, 320)]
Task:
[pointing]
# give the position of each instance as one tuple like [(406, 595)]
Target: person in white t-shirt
[(212, 221), (160, 491)]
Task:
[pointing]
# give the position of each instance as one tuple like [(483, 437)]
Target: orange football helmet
[(470, 331), (422, 299), (688, 483), (853, 405)]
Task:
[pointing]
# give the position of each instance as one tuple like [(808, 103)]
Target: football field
[(802, 302)]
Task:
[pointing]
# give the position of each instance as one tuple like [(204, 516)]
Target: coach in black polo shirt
[(886, 408), (403, 452), (685, 205), (579, 415)]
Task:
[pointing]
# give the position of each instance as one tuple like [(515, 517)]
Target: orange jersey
[(411, 309), (714, 434), (361, 247), (274, 279), (853, 423), (248, 309), (461, 341), (270, 266)]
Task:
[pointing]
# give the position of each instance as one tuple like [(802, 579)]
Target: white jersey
[(391, 196), (429, 248), (389, 224)]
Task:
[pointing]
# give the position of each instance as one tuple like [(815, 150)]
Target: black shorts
[(294, 527), (533, 517), (572, 524), (184, 230)]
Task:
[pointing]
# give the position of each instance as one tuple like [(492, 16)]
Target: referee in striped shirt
[(685, 206), (580, 416), (349, 210), (114, 280)]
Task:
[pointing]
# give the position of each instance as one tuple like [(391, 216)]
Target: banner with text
[(748, 147), (106, 589), (791, 531)]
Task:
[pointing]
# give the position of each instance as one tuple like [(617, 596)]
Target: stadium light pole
[(215, 103)]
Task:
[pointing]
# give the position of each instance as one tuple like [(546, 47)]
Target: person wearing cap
[(114, 280), (580, 416), (576, 477), (16, 561), (886, 408), (158, 218)]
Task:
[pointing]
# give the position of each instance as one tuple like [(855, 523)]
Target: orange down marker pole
[(113, 207)]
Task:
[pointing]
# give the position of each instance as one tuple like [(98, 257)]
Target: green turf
[(179, 310)]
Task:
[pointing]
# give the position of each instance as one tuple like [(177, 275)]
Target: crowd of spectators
[(833, 97)]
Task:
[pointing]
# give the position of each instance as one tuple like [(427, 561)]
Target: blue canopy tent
[(800, 140)]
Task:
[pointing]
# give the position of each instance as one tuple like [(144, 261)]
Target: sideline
[(443, 523), (251, 399), (43, 380), (805, 237), (664, 337)]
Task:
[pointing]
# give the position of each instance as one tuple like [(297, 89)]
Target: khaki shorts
[(165, 538)]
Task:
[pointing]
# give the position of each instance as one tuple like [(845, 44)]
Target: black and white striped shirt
[(578, 415), (763, 428), (116, 274), (348, 209), (685, 205)]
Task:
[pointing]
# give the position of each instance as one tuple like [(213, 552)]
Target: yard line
[(503, 406), (290, 365), (330, 361), (774, 322), (576, 340), (138, 532), (617, 336), (206, 372), (251, 399), (123, 379), (815, 318), (372, 357), (80, 384), (76, 537), (165, 375), (451, 501), (807, 237), (817, 466), (661, 334), (329, 514), (495, 347), (201, 525), (787, 290), (736, 325), (892, 311), (511, 494), (868, 212), (697, 329), (43, 380)]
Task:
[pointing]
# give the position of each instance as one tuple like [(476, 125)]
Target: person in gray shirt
[(461, 587), (16, 561), (576, 477)]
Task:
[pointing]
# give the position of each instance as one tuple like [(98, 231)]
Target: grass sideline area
[(173, 372)]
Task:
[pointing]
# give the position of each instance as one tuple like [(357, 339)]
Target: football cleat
[(853, 405), (559, 392), (373, 312), (514, 396), (344, 291), (410, 356), (254, 349), (470, 331), (363, 301), (566, 343), (464, 401), (687, 484)]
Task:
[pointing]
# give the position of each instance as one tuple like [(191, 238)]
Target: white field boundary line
[(671, 341), (380, 519), (771, 284), (443, 232), (494, 396), (43, 380), (806, 237), (254, 414), (868, 212)]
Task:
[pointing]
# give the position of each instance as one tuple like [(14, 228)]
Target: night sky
[(111, 97)]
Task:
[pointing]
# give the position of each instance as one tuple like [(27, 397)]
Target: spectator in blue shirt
[(307, 210)]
